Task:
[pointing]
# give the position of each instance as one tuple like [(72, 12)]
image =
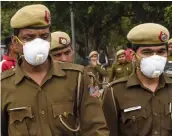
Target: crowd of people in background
[(45, 93), (123, 61)]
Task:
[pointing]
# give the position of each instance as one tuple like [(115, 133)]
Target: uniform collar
[(122, 63), (134, 81), (55, 70)]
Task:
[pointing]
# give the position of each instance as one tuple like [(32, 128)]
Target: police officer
[(170, 50), (94, 63), (141, 104), (42, 97), (61, 47), (121, 68), (168, 68), (10, 57), (96, 72)]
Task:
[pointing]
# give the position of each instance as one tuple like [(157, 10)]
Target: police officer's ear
[(15, 41), (17, 45)]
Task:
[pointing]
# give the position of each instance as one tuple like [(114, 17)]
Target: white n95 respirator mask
[(36, 51), (153, 66)]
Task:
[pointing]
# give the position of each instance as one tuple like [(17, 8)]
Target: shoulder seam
[(7, 74), (124, 79), (70, 66)]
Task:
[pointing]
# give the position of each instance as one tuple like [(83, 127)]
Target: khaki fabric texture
[(148, 33), (120, 70), (31, 109), (138, 111), (170, 41), (59, 40), (31, 16), (93, 53), (120, 52)]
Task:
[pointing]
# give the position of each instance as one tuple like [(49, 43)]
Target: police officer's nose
[(63, 58)]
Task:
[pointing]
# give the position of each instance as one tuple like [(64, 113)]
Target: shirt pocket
[(133, 122), (119, 70), (167, 121), (64, 116), (22, 121)]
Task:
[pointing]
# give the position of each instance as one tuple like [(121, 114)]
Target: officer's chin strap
[(77, 106), (69, 128)]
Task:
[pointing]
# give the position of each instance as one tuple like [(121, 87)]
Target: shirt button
[(155, 114), (134, 118), (156, 132), (39, 89), (42, 112)]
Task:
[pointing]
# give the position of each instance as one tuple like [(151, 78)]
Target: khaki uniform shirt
[(101, 71), (98, 76), (32, 110), (169, 58), (134, 110), (120, 70)]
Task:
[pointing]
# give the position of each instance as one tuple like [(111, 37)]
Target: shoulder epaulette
[(123, 79), (70, 66), (7, 74)]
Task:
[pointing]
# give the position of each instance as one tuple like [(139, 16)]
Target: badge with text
[(132, 109), (94, 91), (119, 69)]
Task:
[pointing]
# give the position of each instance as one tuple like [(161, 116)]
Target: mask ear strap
[(138, 56), (19, 40), (138, 67)]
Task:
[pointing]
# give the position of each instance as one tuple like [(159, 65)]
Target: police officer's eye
[(26, 39), (45, 36), (162, 52), (147, 52), (57, 55), (67, 52)]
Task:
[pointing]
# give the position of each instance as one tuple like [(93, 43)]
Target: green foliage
[(97, 24), (168, 17)]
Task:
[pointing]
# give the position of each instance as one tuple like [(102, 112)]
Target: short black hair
[(7, 41), (16, 31)]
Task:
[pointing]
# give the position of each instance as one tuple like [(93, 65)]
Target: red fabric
[(128, 54), (8, 64)]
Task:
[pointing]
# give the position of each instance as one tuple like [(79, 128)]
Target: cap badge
[(47, 17), (163, 37), (62, 41)]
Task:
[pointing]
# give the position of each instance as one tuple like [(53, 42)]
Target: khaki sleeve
[(110, 112), (4, 114), (112, 73), (4, 124), (101, 71), (91, 115)]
